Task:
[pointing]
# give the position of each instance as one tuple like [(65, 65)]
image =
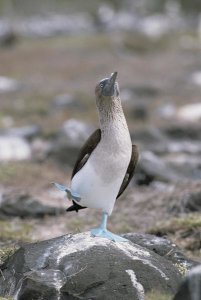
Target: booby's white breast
[(99, 181)]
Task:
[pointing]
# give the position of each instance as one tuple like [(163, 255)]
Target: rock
[(186, 203), (14, 148), (196, 78), (66, 101), (188, 165), (27, 132), (148, 138), (157, 25), (183, 132), (139, 112), (24, 205), (54, 24), (71, 138), (192, 203), (190, 112), (190, 288), (142, 91), (82, 267), (8, 84), (8, 38), (76, 131), (152, 167), (162, 247), (172, 154), (40, 149), (190, 147), (166, 111)]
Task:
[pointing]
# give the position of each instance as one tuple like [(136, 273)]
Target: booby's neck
[(111, 116)]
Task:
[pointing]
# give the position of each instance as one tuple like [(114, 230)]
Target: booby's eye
[(103, 82)]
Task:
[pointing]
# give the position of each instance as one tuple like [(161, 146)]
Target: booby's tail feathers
[(75, 207)]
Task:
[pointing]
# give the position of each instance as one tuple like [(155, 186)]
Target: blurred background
[(52, 54)]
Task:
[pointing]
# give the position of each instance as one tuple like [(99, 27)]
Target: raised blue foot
[(71, 195), (100, 232), (103, 232)]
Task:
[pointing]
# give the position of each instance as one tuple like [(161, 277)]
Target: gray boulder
[(71, 138), (24, 205), (190, 288), (162, 247), (148, 137), (152, 167), (183, 131), (66, 101), (82, 267), (27, 132)]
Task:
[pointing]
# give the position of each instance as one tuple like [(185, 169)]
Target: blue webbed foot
[(60, 187), (71, 195), (101, 232)]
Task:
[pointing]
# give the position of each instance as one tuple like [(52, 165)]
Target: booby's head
[(108, 102), (107, 88)]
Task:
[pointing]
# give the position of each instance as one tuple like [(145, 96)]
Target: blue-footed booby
[(107, 160)]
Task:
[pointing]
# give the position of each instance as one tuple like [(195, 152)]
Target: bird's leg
[(71, 195), (102, 231)]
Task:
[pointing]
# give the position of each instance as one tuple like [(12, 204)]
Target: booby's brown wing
[(86, 150), (130, 170)]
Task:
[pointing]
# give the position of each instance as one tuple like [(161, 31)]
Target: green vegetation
[(157, 295)]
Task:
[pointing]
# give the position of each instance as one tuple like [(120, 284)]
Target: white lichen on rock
[(137, 285)]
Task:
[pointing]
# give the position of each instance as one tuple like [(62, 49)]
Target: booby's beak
[(108, 89)]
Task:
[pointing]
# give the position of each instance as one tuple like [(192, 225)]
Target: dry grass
[(5, 253), (14, 230), (185, 231), (157, 295)]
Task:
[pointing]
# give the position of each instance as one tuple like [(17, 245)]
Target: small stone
[(27, 132), (196, 78), (40, 149), (63, 101), (190, 112), (76, 131), (139, 112), (166, 111), (14, 148), (8, 84)]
